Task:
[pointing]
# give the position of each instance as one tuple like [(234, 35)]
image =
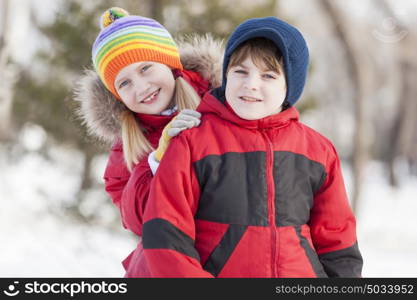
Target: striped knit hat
[(126, 39)]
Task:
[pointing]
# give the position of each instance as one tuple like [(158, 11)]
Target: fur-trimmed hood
[(99, 110)]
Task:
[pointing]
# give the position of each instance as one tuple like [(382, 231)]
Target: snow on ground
[(387, 226), (36, 243)]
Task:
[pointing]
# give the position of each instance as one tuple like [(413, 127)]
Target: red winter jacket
[(238, 198)]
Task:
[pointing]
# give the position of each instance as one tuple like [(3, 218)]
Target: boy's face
[(254, 93), (145, 87)]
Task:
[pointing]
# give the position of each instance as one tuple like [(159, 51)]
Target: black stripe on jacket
[(233, 188), (310, 253), (161, 234), (221, 254), (343, 263), (297, 179)]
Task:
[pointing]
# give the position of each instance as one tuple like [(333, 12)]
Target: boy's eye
[(123, 83), (269, 76)]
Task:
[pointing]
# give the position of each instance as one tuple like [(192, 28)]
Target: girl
[(133, 98)]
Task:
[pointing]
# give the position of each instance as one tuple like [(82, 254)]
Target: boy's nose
[(251, 83)]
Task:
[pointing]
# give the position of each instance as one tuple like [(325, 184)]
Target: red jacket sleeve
[(333, 225), (169, 227), (128, 191), (116, 174), (135, 196)]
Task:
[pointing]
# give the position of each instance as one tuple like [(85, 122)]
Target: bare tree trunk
[(156, 10), (356, 65), (412, 146), (86, 184), (403, 131), (7, 73)]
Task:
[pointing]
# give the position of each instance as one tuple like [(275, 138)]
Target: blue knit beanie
[(288, 40)]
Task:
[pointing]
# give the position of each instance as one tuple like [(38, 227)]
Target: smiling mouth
[(151, 96), (249, 99)]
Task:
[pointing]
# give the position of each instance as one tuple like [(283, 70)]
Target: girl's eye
[(123, 83), (146, 67), (241, 72)]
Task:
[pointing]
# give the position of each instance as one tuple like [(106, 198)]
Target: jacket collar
[(212, 105), (154, 122)]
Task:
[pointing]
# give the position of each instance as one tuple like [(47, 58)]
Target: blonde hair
[(135, 144)]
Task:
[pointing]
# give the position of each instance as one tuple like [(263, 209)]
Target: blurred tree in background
[(46, 100), (8, 72)]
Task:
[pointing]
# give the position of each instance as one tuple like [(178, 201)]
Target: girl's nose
[(139, 86)]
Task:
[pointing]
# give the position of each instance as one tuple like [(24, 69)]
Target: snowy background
[(36, 239)]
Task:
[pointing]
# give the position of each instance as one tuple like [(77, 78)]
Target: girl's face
[(254, 93), (145, 87)]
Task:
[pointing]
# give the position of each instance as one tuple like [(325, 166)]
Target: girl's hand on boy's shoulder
[(186, 119)]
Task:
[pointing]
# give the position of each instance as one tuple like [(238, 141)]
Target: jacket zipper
[(271, 201)]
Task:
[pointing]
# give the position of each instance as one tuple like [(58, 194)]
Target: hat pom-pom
[(111, 15)]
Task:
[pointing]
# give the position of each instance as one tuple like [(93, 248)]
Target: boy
[(252, 192)]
